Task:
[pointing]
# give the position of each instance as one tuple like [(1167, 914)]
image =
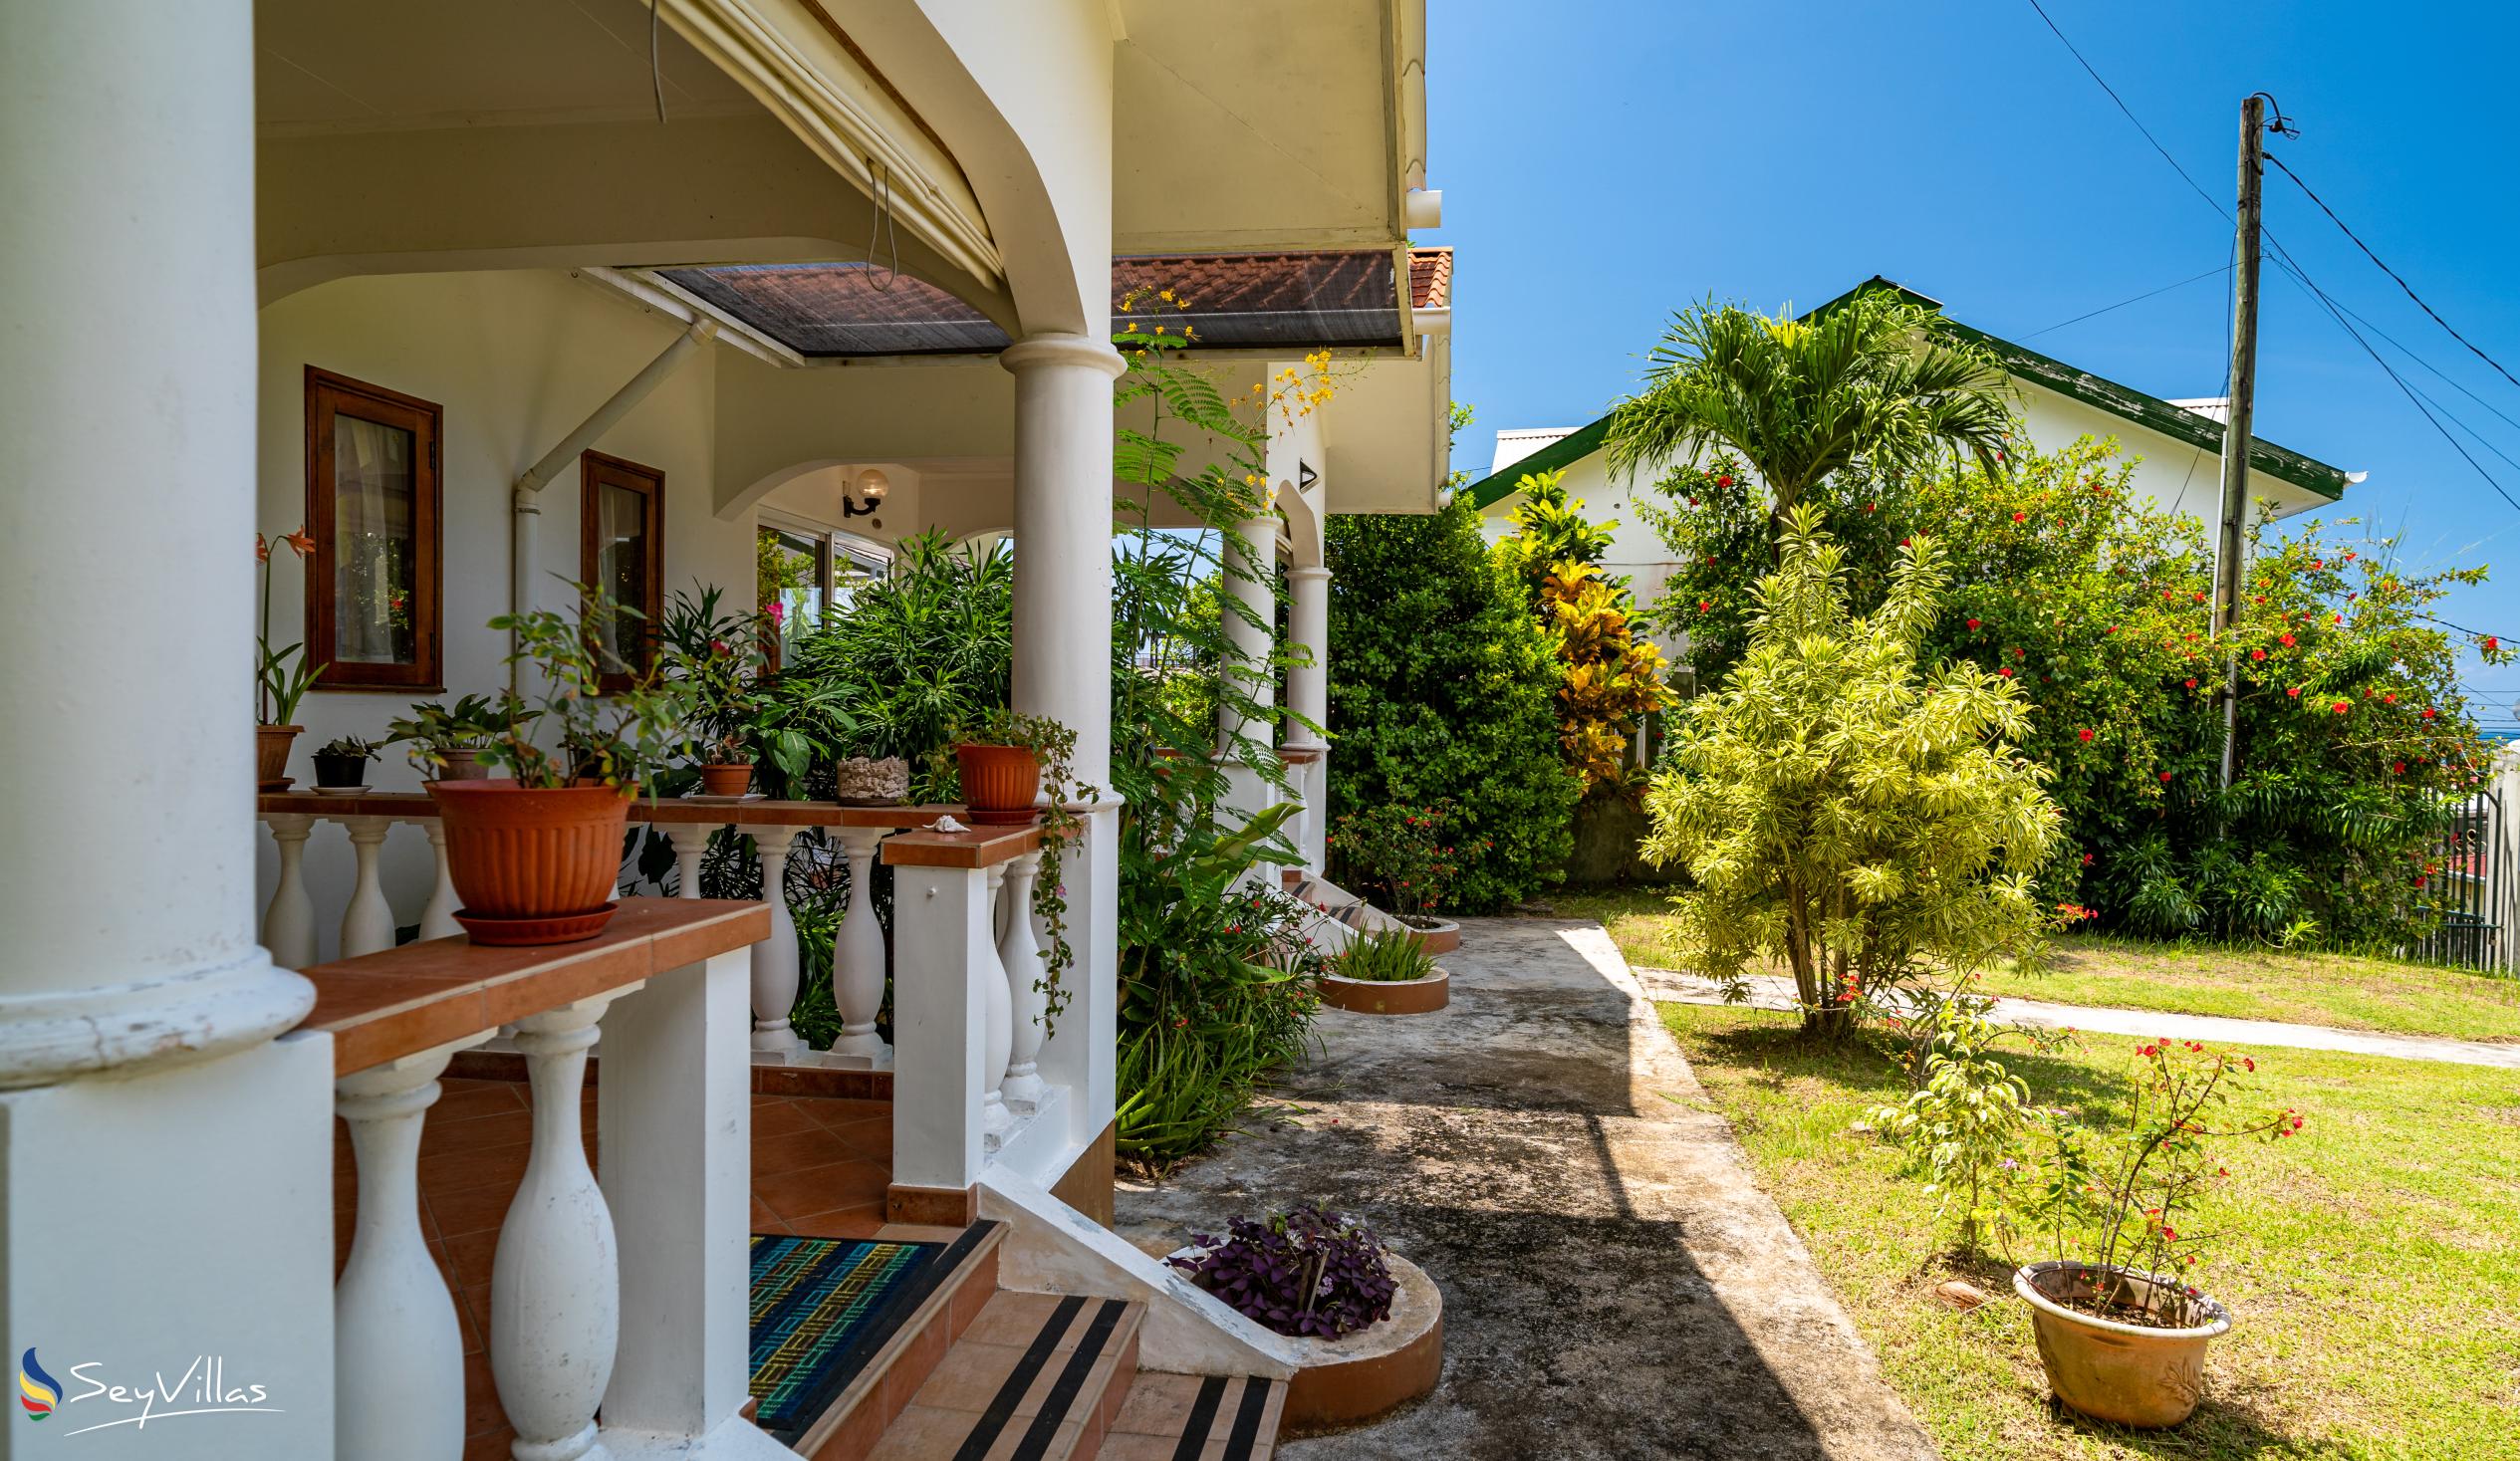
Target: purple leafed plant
[(1308, 1272)]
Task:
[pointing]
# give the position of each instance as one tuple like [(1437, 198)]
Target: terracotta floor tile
[(455, 1171), (815, 1147), (774, 1115), (475, 1133), (469, 1256), (481, 1397), (490, 1445), (834, 1111), (849, 1222), (971, 1376), (470, 1209), (1156, 1405), (871, 1137), (1016, 1319), (461, 1100), (919, 1434), (821, 1189)]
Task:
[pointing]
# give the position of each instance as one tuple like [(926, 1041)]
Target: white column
[(1020, 952), (1251, 556), (398, 1355), (126, 144), (857, 957), (288, 923), (555, 1281), (774, 961), (1308, 695), (437, 920), (675, 1122), (945, 959), (368, 923), (691, 845), (997, 1018)]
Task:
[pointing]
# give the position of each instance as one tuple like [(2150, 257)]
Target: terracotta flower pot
[(999, 783), (271, 755), (726, 779), (461, 763), (2130, 1374), (518, 853)]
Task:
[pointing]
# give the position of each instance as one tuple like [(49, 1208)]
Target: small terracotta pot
[(999, 783), (518, 852), (726, 778), (2127, 1373), (461, 763), (271, 755)]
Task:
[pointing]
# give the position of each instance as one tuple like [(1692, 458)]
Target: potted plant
[(2122, 1329), (1385, 973), (535, 855), (281, 677), (1001, 765), (870, 781), (448, 741), (340, 764), (1405, 855), (720, 662)]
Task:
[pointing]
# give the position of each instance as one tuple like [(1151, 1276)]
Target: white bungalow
[(523, 286)]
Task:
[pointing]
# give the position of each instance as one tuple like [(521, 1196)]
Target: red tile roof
[(1430, 279)]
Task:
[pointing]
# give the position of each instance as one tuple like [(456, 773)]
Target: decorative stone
[(861, 781), (1959, 1294)]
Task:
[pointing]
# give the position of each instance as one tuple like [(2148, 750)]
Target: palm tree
[(1870, 384)]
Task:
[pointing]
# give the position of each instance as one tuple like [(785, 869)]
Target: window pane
[(790, 571), (622, 564), (374, 546)]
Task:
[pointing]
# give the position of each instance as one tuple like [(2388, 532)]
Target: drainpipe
[(528, 487)]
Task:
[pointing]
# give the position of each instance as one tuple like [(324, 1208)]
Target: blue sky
[(1606, 162)]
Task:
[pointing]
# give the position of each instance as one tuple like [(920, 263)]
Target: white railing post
[(368, 923), (858, 956), (288, 923), (1028, 1001), (437, 920), (398, 1352), (555, 1282), (941, 933), (674, 1124), (690, 843), (997, 1019), (774, 961)]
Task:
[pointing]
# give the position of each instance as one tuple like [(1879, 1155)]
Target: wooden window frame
[(596, 470), (327, 394)]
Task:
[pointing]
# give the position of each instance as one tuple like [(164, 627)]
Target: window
[(813, 571), (621, 551), (372, 490)]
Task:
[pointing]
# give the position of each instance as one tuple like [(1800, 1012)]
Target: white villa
[(2177, 446), (516, 285)]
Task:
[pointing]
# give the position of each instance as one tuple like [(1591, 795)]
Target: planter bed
[(1387, 996)]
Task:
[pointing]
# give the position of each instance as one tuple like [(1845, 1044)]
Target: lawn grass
[(2373, 1263), (2342, 991)]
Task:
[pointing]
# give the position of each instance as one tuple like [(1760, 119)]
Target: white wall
[(517, 361)]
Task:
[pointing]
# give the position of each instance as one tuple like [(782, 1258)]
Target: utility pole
[(2236, 418)]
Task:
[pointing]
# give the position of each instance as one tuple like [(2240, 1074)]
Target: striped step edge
[(1080, 1362), (1188, 1418), (896, 1364)]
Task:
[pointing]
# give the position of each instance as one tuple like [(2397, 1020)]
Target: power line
[(2139, 299), (2392, 273), (2210, 201)]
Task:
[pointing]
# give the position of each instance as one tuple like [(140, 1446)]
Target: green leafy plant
[(434, 728), (1967, 1124), (1843, 812), (1613, 679), (624, 739), (1053, 748), (281, 676), (358, 746), (1404, 855), (1384, 958)]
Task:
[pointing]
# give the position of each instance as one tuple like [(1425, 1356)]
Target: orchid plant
[(281, 676)]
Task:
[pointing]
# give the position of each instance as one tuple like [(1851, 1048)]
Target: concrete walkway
[(1615, 1283), (1775, 992)]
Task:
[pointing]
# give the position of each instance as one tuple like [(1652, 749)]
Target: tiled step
[(1036, 1377), (898, 1360), (1192, 1417)]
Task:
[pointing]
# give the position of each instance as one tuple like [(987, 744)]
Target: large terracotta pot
[(999, 783), (271, 755), (519, 852), (2127, 1373)]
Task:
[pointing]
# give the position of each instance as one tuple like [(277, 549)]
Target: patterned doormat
[(821, 1310)]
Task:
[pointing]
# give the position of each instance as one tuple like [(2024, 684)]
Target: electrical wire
[(2210, 201), (2139, 299), (2392, 273)]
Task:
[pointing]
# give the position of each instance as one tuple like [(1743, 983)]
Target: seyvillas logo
[(37, 1392), (202, 1388)]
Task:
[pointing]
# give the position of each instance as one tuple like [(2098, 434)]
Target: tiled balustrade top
[(665, 811), (983, 847), (384, 1006)]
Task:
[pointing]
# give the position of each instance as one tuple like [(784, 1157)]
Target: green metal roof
[(2177, 422)]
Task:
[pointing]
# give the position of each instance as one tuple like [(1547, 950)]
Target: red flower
[(2295, 692), (2388, 699), (1724, 481), (2021, 517), (2165, 775), (2006, 672), (1905, 541), (2085, 734), (1973, 623), (2087, 860), (2397, 769), (2341, 706), (2284, 640), (2429, 712), (2492, 643), (2257, 655), (1705, 605)]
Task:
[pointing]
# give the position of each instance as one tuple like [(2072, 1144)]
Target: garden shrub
[(1612, 679), (2098, 606), (1861, 822), (1443, 691)]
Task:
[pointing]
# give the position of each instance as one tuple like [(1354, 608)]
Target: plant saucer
[(342, 791), (706, 800)]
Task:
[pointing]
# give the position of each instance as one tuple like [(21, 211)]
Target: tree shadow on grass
[(2220, 1429), (1775, 1055)]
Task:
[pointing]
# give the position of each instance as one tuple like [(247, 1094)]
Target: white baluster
[(437, 920), (288, 923), (368, 924), (857, 957), (691, 845), (397, 1353), (997, 1023), (1029, 1004), (554, 1283), (774, 963)]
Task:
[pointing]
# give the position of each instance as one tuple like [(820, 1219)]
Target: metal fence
[(2468, 878)]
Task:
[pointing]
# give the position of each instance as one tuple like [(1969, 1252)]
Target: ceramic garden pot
[(525, 855), (271, 755), (2132, 1373), (999, 783), (726, 778)]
